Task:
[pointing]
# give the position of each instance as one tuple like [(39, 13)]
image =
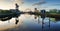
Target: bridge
[(16, 13)]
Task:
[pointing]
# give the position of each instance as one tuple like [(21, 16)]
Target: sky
[(30, 4)]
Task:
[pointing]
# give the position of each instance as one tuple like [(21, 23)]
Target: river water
[(28, 23)]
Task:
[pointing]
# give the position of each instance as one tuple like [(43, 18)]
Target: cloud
[(53, 4), (39, 3), (12, 1), (19, 1), (57, 4)]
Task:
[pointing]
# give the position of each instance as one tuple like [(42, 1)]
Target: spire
[(17, 6)]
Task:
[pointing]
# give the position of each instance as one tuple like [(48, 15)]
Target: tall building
[(17, 6), (36, 10)]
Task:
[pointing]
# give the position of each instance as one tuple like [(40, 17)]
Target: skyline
[(25, 4)]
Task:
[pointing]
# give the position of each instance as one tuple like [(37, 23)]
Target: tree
[(58, 12), (53, 11)]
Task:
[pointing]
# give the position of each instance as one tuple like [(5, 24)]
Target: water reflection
[(31, 24)]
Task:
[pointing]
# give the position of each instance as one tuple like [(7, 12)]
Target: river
[(28, 23)]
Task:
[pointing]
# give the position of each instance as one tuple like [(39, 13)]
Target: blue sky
[(48, 4)]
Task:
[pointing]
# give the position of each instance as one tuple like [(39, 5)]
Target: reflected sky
[(28, 23), (11, 23)]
